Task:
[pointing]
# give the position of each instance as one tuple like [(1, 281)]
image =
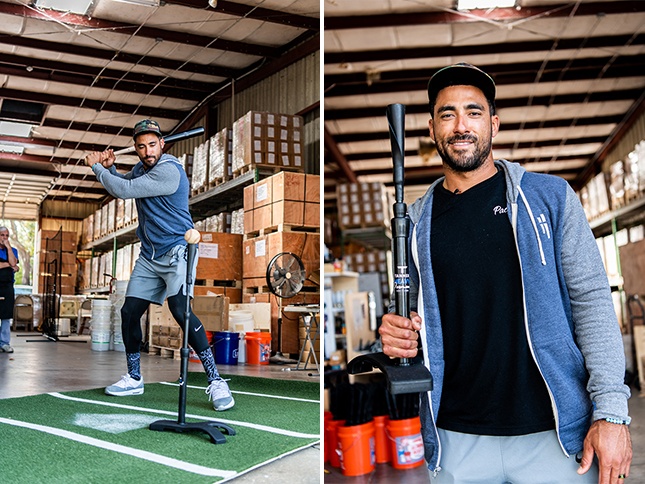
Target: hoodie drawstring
[(537, 233)]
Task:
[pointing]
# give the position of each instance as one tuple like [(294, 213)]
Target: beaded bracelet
[(616, 421)]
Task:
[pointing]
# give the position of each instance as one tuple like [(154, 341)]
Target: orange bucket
[(331, 441), (380, 436), (357, 449), (258, 348), (406, 443)]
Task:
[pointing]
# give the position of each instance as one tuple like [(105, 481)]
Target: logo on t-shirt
[(544, 226), (499, 210)]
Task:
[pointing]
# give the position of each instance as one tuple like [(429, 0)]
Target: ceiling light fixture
[(15, 149), (484, 4), (73, 6), (143, 3), (10, 128), (212, 3)]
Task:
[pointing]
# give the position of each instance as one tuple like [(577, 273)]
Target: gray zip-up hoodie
[(161, 195), (571, 325)]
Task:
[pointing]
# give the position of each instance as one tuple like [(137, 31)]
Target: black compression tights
[(132, 310)]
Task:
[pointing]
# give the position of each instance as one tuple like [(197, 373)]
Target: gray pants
[(526, 459)]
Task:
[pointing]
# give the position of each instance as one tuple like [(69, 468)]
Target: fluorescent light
[(15, 149), (484, 4), (9, 128), (143, 3), (73, 6)]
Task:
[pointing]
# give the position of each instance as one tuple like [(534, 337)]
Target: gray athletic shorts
[(525, 459), (154, 280)]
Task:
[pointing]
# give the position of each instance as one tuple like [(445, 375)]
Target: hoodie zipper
[(426, 358), (526, 319)]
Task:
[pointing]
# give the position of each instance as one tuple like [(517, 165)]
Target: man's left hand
[(612, 445)]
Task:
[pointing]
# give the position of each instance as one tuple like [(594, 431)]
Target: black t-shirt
[(492, 385)]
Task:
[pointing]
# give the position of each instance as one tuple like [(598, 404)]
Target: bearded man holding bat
[(159, 186)]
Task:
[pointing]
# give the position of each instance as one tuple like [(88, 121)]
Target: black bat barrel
[(400, 222)]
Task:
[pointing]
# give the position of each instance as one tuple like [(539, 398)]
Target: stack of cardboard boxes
[(282, 214), (363, 205), (219, 268), (267, 139), (113, 216), (212, 162)]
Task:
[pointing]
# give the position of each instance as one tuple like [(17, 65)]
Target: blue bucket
[(226, 345)]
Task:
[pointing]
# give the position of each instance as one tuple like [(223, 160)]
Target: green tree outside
[(22, 234)]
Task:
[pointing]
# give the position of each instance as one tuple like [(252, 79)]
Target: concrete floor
[(39, 366)]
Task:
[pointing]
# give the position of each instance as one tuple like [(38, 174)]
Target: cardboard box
[(220, 257), (212, 311), (104, 220), (258, 252), (160, 316), (288, 212), (87, 234), (312, 214), (96, 233), (120, 213), (262, 193), (288, 186), (312, 188), (234, 294), (221, 152), (262, 218), (248, 198)]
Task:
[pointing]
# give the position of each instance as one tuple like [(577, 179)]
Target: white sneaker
[(221, 396), (6, 349), (125, 386)]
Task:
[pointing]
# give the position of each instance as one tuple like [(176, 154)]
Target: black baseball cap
[(461, 74), (146, 126)]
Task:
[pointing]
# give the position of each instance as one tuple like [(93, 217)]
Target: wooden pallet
[(199, 190), (282, 228), (174, 353), (218, 181), (258, 285), (214, 282)]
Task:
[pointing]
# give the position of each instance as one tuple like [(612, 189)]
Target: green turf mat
[(89, 436)]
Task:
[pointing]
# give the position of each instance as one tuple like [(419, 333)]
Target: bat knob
[(192, 236)]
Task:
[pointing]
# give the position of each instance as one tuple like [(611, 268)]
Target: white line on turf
[(278, 457), (265, 428), (295, 399), (122, 449)]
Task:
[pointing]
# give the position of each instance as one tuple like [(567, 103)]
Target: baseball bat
[(400, 223), (191, 133)]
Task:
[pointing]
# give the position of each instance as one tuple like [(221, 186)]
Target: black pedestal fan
[(285, 276)]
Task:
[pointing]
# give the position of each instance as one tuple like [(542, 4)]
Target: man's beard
[(464, 161), (150, 161)]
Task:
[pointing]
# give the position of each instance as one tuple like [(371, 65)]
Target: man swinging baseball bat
[(159, 185)]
